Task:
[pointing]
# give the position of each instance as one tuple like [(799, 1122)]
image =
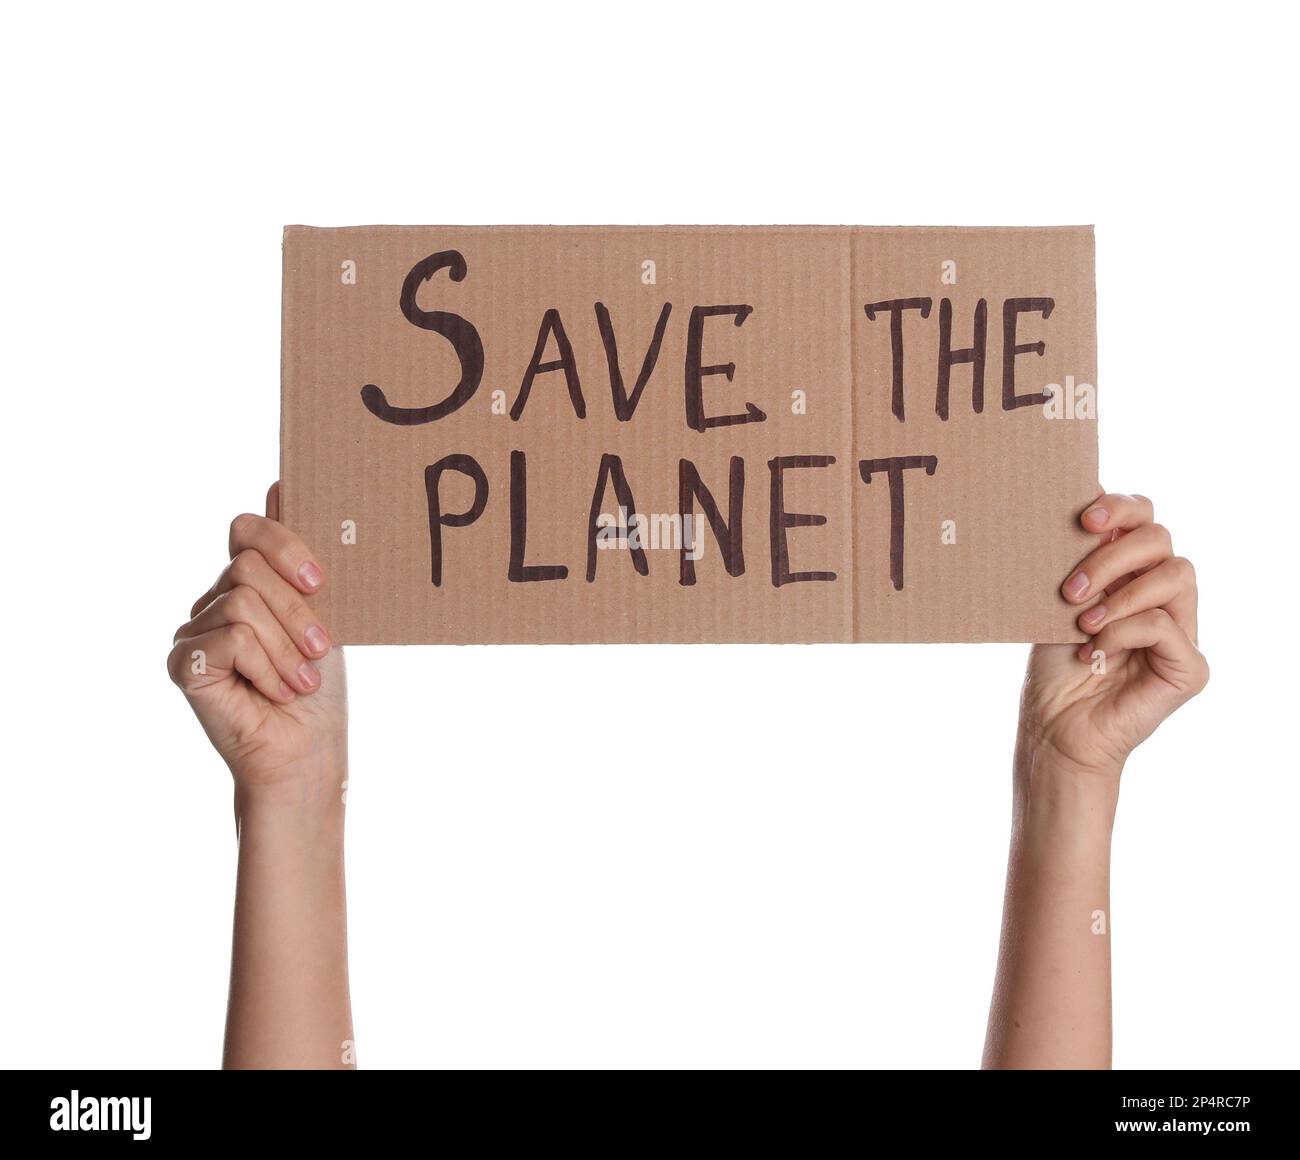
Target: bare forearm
[(289, 1005), (1051, 997)]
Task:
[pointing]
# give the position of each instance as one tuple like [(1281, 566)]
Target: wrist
[(311, 791), (305, 840), (1037, 747), (1052, 792)]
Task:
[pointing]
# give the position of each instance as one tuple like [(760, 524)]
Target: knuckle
[(244, 566), (242, 636), (242, 527), (178, 664), (1158, 618), (1185, 569), (1161, 534), (241, 602)]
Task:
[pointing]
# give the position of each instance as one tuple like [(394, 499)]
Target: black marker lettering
[(971, 354), (695, 372), (625, 405), (551, 324), (894, 468), (1012, 308), (780, 519), (519, 572), (730, 535), (611, 468), (895, 307), (466, 465), (460, 333)]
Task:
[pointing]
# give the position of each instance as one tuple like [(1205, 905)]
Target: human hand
[(1089, 705), (257, 667)]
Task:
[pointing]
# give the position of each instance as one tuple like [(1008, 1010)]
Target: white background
[(528, 887)]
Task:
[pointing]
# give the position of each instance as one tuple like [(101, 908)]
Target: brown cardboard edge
[(286, 501), (683, 227)]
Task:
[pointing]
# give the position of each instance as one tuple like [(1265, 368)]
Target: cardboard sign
[(621, 434)]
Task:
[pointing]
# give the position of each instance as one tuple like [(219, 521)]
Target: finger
[(273, 501), (1134, 551), (1170, 585), (1115, 512), (289, 608), (200, 660), (244, 605), (1170, 652), (284, 551)]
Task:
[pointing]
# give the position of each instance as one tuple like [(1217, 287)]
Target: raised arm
[(260, 675), (1082, 711)]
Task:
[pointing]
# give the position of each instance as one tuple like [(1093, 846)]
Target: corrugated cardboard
[(462, 404)]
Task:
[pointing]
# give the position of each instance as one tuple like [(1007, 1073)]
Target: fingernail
[(316, 639), (310, 575), (308, 677), (1077, 585), (1094, 615), (1096, 517), (286, 692), (1084, 652)]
